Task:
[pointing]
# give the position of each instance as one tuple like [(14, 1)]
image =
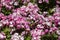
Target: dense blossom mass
[(29, 20)]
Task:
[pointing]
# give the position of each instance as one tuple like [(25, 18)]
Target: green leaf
[(31, 1), (6, 30), (27, 37), (49, 37), (6, 11)]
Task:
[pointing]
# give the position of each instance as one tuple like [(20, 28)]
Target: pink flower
[(2, 36), (47, 1), (40, 1), (25, 1)]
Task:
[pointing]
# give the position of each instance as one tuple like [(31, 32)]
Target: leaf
[(27, 37), (5, 11), (49, 37), (6, 30)]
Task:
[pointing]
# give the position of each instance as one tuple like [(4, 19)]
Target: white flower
[(58, 32), (21, 38), (2, 36), (15, 36), (59, 23), (40, 26), (1, 24), (11, 2), (4, 22), (16, 3), (11, 25), (11, 22), (48, 23)]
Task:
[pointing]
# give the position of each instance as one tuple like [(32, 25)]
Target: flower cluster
[(28, 21)]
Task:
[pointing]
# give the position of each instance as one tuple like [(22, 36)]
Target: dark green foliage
[(6, 11), (6, 30), (27, 37), (49, 37), (47, 6)]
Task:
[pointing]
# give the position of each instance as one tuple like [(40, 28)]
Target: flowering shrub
[(29, 20)]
